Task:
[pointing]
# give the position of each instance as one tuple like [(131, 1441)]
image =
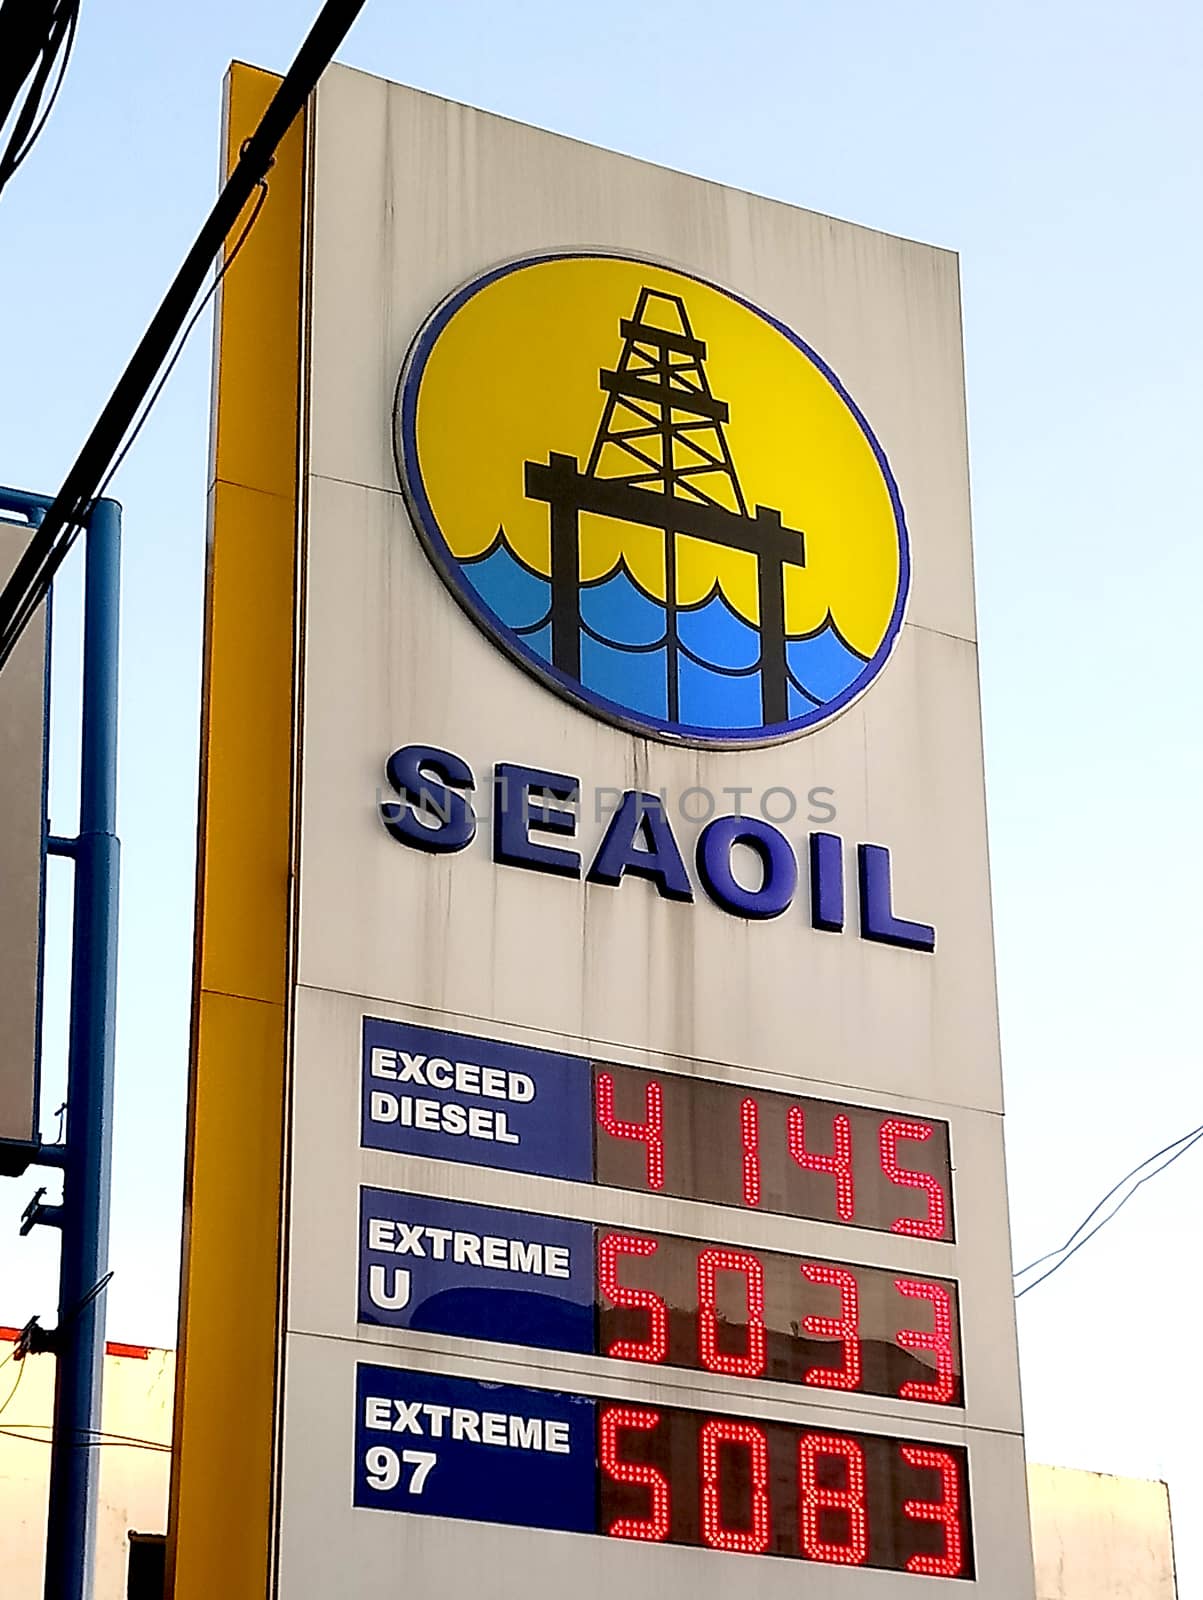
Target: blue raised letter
[(827, 882), (658, 859), (877, 919), (779, 866), (431, 816), (516, 812)]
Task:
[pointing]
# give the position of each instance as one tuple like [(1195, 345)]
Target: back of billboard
[(644, 1201), (23, 714)]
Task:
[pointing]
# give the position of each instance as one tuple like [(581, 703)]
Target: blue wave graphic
[(620, 611), (637, 679), (716, 700), (624, 655), (823, 666), (714, 633), (519, 596), (797, 703), (539, 640)]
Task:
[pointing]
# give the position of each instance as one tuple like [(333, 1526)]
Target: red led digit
[(609, 1247), (710, 1264), (611, 1423), (946, 1510), (749, 1128), (939, 1341), (717, 1432), (814, 1499), (649, 1133), (845, 1327), (838, 1164), (931, 1226)]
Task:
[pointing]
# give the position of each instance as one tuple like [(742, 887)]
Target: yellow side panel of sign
[(222, 1479)]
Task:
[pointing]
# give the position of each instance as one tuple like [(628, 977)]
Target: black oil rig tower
[(660, 459)]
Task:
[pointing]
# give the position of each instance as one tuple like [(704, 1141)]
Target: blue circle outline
[(450, 568)]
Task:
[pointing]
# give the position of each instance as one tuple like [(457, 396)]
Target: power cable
[(36, 40), (169, 368), (183, 338), (12, 1392), (82, 1305), (95, 1433), (1049, 1254), (63, 41), (1191, 1141), (91, 1444), (66, 516)]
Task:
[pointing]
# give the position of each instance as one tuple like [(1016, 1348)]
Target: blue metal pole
[(87, 1158), (32, 506)]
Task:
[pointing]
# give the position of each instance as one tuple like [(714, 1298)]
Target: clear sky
[(1056, 146)]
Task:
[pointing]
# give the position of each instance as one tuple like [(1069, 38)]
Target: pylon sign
[(596, 1119), (24, 711)]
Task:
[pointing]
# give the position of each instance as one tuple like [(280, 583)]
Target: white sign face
[(647, 1215), (23, 691)]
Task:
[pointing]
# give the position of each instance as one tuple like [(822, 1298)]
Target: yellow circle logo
[(655, 496)]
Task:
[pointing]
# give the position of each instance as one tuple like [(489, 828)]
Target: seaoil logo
[(655, 496)]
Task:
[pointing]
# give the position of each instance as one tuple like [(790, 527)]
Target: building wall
[(138, 1388), (1100, 1538), (1095, 1537)]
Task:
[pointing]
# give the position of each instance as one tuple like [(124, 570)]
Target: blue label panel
[(488, 1452), (443, 1266), (458, 1097)]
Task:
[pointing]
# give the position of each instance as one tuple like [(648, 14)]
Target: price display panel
[(759, 1314), (819, 1159), (478, 1272), (459, 1097), (453, 1447)]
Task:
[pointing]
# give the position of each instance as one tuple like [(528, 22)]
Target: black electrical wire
[(36, 39), (82, 1305), (1190, 1139), (183, 338), (13, 161), (101, 1434), (67, 514), (13, 1391), (1114, 1189), (91, 1444)]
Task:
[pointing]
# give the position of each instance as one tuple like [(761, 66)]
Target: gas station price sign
[(490, 1452), (450, 1446), (747, 1043), (459, 1097), (469, 1271)]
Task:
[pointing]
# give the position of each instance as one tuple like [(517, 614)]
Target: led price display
[(480, 1272), (759, 1314), (701, 1140), (773, 1488), (460, 1097), (453, 1447)]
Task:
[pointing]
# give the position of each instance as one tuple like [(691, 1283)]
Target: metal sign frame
[(19, 1144)]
